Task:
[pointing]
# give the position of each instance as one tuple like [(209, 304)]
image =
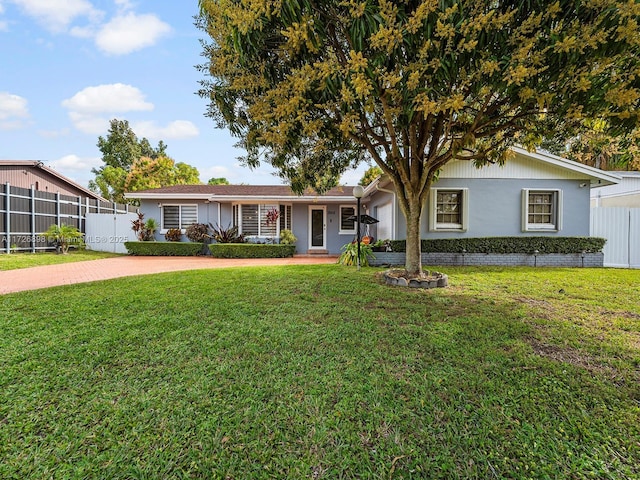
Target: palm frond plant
[(64, 236), (349, 255)]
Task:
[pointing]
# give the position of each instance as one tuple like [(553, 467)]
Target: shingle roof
[(241, 190)]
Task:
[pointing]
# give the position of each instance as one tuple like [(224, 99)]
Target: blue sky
[(69, 66)]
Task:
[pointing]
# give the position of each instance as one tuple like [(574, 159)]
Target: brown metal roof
[(242, 190), (39, 164)]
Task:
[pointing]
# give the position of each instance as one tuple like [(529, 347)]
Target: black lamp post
[(358, 192)]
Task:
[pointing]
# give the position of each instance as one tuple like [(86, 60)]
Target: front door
[(317, 228)]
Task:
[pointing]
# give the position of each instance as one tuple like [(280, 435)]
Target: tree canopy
[(594, 145), (132, 164), (370, 175), (315, 87), (218, 181)]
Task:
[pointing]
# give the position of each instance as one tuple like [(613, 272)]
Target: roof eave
[(599, 178), (240, 198)]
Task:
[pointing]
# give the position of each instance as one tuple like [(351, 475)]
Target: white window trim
[(341, 230), (434, 226), (239, 205), (289, 206), (163, 229), (542, 227)]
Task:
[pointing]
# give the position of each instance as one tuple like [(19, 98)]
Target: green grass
[(13, 261), (323, 372)]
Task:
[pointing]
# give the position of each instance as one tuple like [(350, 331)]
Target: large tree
[(313, 86), (593, 144), (132, 164)]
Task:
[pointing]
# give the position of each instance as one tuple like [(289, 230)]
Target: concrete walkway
[(93, 270)]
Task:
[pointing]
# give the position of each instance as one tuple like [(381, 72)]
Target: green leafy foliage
[(349, 255), (179, 249), (197, 232), (251, 250), (132, 164), (287, 237), (370, 175), (526, 245), (144, 230), (64, 236), (316, 87), (226, 235), (218, 181), (173, 235)]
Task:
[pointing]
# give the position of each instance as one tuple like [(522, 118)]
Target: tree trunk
[(413, 261)]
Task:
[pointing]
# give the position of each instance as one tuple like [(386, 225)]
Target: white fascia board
[(239, 198), (168, 196), (599, 178), (280, 199)]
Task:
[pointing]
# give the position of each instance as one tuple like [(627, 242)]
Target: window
[(541, 210), (346, 225), (179, 216), (448, 209), (285, 217), (257, 220)]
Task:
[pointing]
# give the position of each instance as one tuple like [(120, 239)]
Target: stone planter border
[(437, 280)]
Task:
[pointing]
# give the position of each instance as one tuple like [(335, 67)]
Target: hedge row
[(526, 245), (173, 249), (251, 250)]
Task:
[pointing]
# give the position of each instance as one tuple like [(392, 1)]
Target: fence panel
[(621, 227), (107, 232), (26, 213), (634, 238)]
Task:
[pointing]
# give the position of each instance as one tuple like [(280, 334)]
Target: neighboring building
[(34, 196), (34, 174), (533, 194), (623, 194)]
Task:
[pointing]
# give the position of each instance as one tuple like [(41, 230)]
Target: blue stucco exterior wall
[(495, 209)]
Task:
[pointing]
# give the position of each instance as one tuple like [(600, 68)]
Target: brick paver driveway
[(104, 269)]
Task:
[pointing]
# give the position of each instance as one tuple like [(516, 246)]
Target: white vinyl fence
[(106, 232), (621, 227)]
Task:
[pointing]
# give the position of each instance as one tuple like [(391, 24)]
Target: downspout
[(394, 202)]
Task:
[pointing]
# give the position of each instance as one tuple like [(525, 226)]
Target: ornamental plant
[(173, 235), (197, 232), (287, 237), (144, 231), (64, 236), (226, 235)]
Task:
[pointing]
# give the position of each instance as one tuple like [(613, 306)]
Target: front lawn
[(321, 372), (13, 261)]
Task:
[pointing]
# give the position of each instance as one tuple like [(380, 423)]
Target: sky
[(67, 67)]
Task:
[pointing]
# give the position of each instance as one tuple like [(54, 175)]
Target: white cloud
[(54, 133), (13, 109), (92, 124), (88, 107), (130, 32), (116, 97), (57, 15), (175, 130), (74, 163)]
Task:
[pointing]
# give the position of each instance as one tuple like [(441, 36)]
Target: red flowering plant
[(272, 216)]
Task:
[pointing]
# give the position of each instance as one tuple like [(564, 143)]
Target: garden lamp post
[(358, 191)]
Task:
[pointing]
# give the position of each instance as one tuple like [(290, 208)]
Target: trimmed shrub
[(170, 249), (173, 235), (525, 245), (197, 232), (251, 250)]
